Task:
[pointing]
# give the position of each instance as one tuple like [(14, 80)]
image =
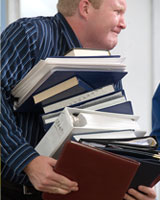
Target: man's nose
[(123, 24)]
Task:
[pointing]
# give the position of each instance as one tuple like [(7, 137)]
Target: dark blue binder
[(122, 108), (95, 79)]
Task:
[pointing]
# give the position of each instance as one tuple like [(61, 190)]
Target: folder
[(148, 156), (146, 143), (121, 134), (99, 174)]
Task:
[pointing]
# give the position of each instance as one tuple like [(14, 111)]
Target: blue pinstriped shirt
[(23, 44)]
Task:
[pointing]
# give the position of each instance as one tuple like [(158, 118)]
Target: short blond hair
[(68, 7)]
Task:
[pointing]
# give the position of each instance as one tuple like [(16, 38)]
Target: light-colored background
[(139, 43)]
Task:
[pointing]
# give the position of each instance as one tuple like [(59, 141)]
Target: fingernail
[(75, 189), (76, 184)]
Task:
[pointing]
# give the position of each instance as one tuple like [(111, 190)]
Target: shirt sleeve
[(156, 114), (17, 58)]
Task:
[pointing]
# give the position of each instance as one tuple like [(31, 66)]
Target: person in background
[(156, 114), (78, 23)]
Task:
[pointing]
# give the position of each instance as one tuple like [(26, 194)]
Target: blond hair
[(68, 7)]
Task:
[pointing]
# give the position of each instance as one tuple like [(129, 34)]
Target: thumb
[(52, 162)]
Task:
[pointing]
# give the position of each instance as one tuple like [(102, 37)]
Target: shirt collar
[(68, 32)]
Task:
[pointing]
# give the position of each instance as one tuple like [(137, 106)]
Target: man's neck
[(77, 26)]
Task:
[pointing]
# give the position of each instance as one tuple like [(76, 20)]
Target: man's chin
[(107, 45), (111, 44)]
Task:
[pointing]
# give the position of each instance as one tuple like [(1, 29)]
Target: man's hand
[(147, 194), (43, 177)]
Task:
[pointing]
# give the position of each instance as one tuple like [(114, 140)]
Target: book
[(74, 121), (95, 79), (98, 173), (103, 102), (123, 108), (100, 104), (71, 87), (79, 99), (87, 52), (44, 68)]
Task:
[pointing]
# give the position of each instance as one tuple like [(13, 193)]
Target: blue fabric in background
[(156, 114)]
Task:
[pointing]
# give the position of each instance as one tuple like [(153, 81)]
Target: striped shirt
[(23, 44)]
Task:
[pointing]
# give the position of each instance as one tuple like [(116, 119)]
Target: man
[(79, 23)]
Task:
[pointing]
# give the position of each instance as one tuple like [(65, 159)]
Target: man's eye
[(117, 12)]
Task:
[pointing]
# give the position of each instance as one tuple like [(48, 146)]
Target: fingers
[(56, 183), (50, 184), (52, 161), (143, 193), (128, 197), (43, 177), (64, 181), (57, 190), (150, 192)]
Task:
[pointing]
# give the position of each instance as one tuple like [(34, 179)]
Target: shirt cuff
[(19, 159)]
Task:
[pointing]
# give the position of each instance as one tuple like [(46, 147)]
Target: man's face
[(104, 24)]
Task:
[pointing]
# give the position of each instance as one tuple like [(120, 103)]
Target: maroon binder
[(100, 174)]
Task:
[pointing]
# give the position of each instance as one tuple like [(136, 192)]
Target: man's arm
[(18, 155), (144, 193), (16, 50)]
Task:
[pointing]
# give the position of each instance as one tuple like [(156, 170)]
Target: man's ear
[(84, 6)]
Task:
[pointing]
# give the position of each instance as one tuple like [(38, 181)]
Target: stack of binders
[(55, 79), (88, 82), (81, 98)]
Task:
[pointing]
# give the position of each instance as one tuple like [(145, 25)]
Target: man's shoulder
[(27, 24), (36, 21), (41, 21), (33, 25)]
